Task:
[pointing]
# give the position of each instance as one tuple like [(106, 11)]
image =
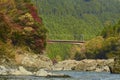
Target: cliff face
[(20, 26)]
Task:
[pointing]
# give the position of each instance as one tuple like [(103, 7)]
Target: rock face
[(42, 72), (84, 65), (115, 68), (65, 65), (10, 71), (21, 71), (94, 65), (35, 61)]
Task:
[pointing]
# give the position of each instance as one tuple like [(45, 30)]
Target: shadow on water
[(31, 78)]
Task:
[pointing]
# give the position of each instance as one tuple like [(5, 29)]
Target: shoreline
[(86, 65)]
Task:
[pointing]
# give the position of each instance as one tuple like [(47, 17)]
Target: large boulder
[(33, 60)]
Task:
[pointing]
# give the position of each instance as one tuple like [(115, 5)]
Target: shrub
[(111, 31), (93, 47), (77, 53), (112, 47), (4, 29), (2, 51), (18, 38)]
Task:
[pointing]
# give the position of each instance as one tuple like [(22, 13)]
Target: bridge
[(65, 41), (68, 39)]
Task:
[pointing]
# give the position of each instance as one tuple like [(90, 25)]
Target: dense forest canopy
[(95, 21), (73, 19), (77, 17)]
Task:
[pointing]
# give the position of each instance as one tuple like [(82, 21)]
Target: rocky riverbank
[(33, 63), (21, 71), (85, 65), (29, 60), (42, 62), (116, 66)]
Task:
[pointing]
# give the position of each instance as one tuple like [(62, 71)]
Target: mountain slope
[(87, 17), (76, 19)]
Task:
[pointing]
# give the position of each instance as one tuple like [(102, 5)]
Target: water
[(75, 76)]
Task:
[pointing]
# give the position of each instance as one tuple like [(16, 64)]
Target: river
[(75, 76)]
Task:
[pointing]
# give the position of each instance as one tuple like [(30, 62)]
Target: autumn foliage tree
[(20, 23)]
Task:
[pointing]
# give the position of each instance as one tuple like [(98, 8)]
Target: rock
[(15, 72), (33, 61), (84, 65), (42, 72), (105, 62), (94, 65), (24, 71), (102, 69), (3, 70), (106, 68), (115, 68), (20, 71), (65, 65)]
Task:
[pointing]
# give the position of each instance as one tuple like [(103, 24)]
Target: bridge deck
[(66, 41)]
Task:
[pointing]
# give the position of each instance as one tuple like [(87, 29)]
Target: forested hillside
[(75, 17), (71, 19)]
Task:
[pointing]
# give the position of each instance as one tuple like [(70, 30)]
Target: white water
[(75, 76)]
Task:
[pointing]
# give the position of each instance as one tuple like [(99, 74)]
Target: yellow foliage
[(7, 6), (111, 40), (27, 19), (73, 51), (77, 52), (94, 44), (3, 1)]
